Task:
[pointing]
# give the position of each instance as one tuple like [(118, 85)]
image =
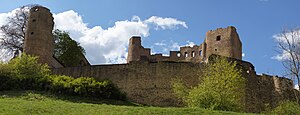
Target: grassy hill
[(29, 102)]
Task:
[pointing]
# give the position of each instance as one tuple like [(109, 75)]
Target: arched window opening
[(193, 54), (200, 53), (186, 54)]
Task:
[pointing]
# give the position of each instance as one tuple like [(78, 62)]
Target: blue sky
[(257, 21)]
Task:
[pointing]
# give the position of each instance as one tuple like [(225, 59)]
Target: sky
[(103, 27)]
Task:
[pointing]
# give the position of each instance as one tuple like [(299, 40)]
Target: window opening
[(200, 53), (178, 54), (193, 54), (218, 38)]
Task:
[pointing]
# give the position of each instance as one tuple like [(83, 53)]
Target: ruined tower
[(38, 37), (224, 42), (136, 52)]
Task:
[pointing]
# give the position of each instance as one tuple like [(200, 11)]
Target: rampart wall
[(150, 83)]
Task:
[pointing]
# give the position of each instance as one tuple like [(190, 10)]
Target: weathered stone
[(146, 78)]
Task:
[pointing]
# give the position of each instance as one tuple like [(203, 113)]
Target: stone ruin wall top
[(222, 41)]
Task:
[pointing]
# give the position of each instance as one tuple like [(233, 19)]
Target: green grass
[(29, 102)]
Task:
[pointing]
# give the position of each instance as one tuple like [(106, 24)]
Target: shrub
[(27, 74), (287, 108), (85, 87), (7, 81), (222, 87), (61, 84), (27, 69)]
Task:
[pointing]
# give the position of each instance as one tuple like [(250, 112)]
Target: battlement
[(222, 41)]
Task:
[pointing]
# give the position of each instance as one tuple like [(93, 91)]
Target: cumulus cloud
[(109, 45), (105, 45), (297, 87), (165, 23)]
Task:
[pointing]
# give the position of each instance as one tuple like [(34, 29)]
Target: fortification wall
[(143, 82), (150, 83), (222, 41)]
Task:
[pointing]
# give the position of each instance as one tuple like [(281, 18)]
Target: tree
[(288, 43), (221, 87), (13, 33), (66, 50)]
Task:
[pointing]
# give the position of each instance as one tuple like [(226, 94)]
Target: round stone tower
[(224, 42), (38, 37)]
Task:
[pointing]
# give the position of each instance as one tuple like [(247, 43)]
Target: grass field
[(29, 102)]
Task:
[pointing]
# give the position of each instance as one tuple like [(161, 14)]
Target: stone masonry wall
[(143, 82), (150, 83)]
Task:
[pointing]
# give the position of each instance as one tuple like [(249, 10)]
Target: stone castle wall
[(150, 83), (143, 82), (146, 78), (222, 41)]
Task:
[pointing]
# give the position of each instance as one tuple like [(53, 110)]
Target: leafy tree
[(13, 33), (222, 87), (66, 50)]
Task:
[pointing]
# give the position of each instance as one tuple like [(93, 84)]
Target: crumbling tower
[(38, 37), (224, 42), (136, 52)]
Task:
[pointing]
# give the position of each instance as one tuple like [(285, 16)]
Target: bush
[(85, 87), (287, 108), (7, 80), (26, 73), (222, 87)]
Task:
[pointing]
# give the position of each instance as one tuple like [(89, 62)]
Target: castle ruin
[(146, 78), (223, 41)]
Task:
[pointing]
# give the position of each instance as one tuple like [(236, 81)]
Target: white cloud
[(243, 54), (191, 44), (165, 23), (283, 38), (296, 87), (165, 47), (160, 44), (107, 45)]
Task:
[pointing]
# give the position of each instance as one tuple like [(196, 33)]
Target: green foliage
[(26, 73), (179, 88), (287, 108), (66, 50), (7, 82), (85, 87), (222, 87)]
